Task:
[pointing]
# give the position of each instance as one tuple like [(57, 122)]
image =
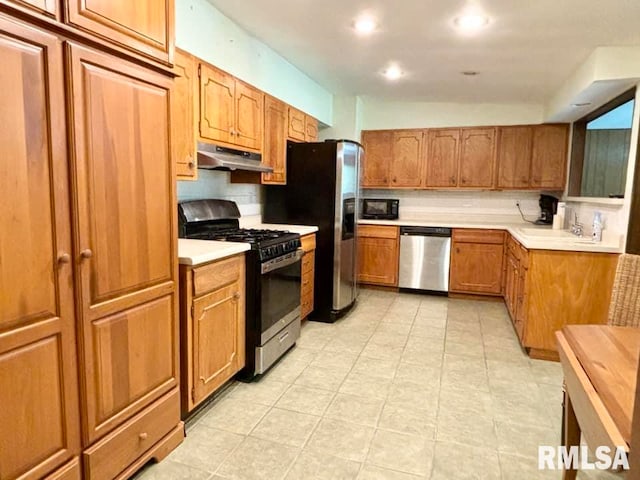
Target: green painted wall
[(205, 32)]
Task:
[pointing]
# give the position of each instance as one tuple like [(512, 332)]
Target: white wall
[(347, 119), (415, 204), (379, 114), (204, 31)]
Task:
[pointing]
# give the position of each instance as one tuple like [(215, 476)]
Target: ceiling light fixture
[(470, 73), (471, 22), (365, 25), (393, 72), (582, 104)]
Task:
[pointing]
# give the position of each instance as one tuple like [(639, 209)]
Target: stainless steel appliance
[(424, 258), (323, 189), (380, 208), (273, 278), (215, 157)]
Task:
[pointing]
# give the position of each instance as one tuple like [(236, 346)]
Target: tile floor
[(405, 387)]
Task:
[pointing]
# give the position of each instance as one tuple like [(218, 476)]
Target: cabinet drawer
[(513, 246), (308, 242), (308, 262), (306, 304), (307, 285), (468, 235), (378, 231), (117, 451), (216, 275)]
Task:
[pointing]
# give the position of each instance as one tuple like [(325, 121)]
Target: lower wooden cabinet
[(476, 261), (308, 274), (378, 254), (70, 471), (212, 317)]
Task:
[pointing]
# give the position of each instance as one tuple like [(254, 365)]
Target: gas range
[(268, 243), (273, 278)]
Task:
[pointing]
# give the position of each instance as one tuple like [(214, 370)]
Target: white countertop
[(196, 252), (535, 237)]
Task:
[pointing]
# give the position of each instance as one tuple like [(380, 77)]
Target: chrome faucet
[(577, 228)]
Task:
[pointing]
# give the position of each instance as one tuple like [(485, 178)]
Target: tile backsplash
[(216, 184)]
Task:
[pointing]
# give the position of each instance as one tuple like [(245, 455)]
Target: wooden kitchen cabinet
[(476, 261), (213, 327), (308, 274), (378, 255), (310, 129), (274, 153), (378, 155), (406, 164), (441, 162), (231, 112), (549, 156), (477, 157), (183, 117), (125, 252), (38, 8), (144, 26), (514, 157), (296, 129), (39, 411)]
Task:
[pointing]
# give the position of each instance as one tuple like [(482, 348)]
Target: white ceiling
[(524, 55)]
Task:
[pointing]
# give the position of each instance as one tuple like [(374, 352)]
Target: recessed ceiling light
[(393, 72), (583, 104), (470, 73), (365, 25), (471, 22)]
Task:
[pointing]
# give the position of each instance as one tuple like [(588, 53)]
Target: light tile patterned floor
[(404, 387)]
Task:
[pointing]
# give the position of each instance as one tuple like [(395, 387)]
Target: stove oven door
[(280, 285)]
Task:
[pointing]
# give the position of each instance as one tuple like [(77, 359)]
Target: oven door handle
[(283, 261)]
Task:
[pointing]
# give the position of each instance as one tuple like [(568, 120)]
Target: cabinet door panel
[(275, 141), (406, 169), (549, 157), (477, 157), (183, 120), (38, 379), (249, 117), (217, 109), (124, 182), (311, 129), (476, 268), (218, 330), (514, 156), (297, 127), (47, 8), (125, 368), (378, 261), (441, 164), (378, 155), (143, 25)]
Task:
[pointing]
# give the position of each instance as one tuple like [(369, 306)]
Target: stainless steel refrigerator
[(323, 189)]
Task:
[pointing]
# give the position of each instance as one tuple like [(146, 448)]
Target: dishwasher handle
[(426, 231)]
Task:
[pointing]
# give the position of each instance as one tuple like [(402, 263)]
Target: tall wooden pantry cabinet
[(88, 251)]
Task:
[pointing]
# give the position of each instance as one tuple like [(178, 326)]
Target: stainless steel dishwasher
[(424, 258)]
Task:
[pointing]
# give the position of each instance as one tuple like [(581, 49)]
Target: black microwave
[(380, 208)]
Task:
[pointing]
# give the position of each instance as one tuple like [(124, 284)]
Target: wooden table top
[(609, 357)]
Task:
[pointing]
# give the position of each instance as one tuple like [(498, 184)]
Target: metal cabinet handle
[(64, 258), (87, 253)]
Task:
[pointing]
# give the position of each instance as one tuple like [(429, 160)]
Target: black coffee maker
[(548, 208)]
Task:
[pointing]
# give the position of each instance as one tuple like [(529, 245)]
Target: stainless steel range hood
[(215, 157)]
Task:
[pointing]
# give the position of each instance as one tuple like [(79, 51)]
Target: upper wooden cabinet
[(274, 152), (441, 163), (549, 156), (514, 156), (46, 8), (477, 157), (310, 129), (125, 249), (231, 111), (297, 129), (144, 26), (406, 164), (38, 370), (378, 155), (183, 118)]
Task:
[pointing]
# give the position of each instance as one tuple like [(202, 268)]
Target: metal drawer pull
[(283, 337)]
